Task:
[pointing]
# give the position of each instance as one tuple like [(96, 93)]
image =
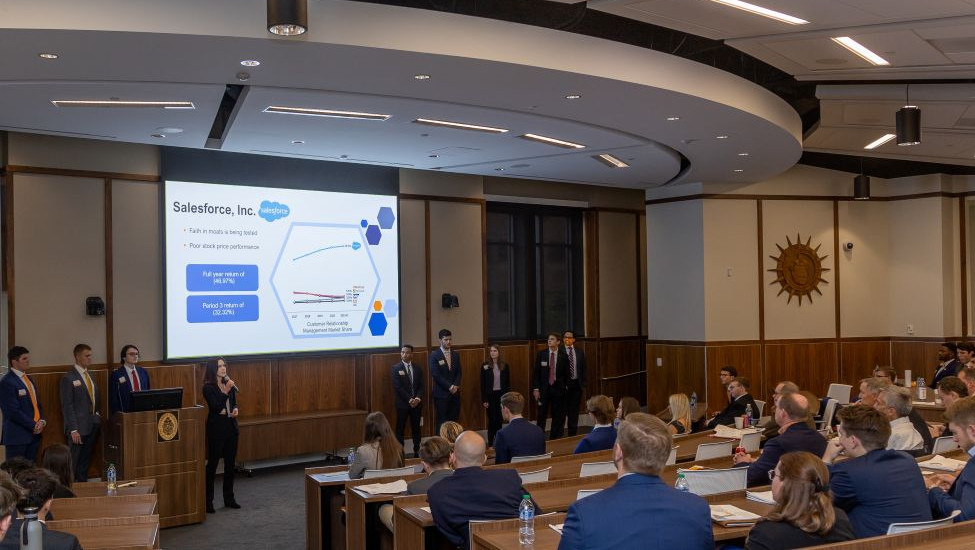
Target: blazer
[(18, 411), (216, 402), (877, 489), (542, 369), (797, 437), (422, 485), (443, 377), (773, 535), (401, 384), (76, 404), (53, 540), (951, 368), (960, 496), (120, 388), (580, 365), (519, 438), (487, 379), (599, 439), (735, 409), (473, 493), (922, 428), (639, 512)]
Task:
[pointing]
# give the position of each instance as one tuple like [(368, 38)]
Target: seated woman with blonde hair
[(449, 430), (680, 414)]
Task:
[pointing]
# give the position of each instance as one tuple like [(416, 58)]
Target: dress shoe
[(210, 509), (232, 504)]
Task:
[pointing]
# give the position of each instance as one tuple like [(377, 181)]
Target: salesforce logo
[(271, 211)]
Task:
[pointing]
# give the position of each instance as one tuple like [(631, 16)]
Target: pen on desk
[(127, 484)]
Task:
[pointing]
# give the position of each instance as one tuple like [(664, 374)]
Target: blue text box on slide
[(221, 277), (222, 308)]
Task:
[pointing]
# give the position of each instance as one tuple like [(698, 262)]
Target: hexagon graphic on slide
[(373, 234), (386, 217), (391, 308), (325, 280), (378, 324)]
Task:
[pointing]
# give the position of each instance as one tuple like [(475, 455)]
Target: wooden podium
[(168, 446)]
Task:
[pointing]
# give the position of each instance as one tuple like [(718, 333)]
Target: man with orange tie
[(79, 407), (23, 418), (550, 385)]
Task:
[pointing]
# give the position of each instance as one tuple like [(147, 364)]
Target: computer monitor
[(156, 400)]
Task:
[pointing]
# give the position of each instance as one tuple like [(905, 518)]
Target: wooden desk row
[(128, 520)]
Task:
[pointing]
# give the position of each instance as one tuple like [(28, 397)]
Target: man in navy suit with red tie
[(444, 366), (550, 385), (408, 387), (126, 379), (23, 418)]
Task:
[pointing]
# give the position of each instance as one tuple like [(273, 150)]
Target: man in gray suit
[(79, 406)]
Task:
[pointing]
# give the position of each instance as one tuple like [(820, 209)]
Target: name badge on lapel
[(21, 393), (544, 363), (402, 373), (441, 362), (76, 383), (486, 367), (122, 379)]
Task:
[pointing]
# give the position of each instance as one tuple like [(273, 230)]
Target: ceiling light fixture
[(860, 50), (908, 122), (250, 63), (297, 142), (119, 103), (157, 136), (764, 12), (47, 55), (552, 141), (879, 141), (720, 137), (573, 96), (325, 113), (739, 170), (742, 154), (673, 118), (460, 125), (611, 161), (421, 77), (861, 185), (287, 17)]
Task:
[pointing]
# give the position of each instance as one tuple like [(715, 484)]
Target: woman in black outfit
[(220, 393), (495, 382)]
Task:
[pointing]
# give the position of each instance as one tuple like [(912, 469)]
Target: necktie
[(409, 372), (551, 369), (572, 363), (91, 391), (135, 381), (33, 397), (446, 355)]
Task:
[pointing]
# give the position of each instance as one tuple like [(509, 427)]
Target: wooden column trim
[(836, 268), (109, 278), (761, 272), (484, 276), (8, 250), (426, 254), (639, 280), (963, 260), (591, 260)]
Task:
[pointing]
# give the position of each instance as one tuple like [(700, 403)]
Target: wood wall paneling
[(857, 360), (472, 413), (617, 358), (746, 359), (813, 366), (919, 357), (314, 384), (253, 380), (682, 371)]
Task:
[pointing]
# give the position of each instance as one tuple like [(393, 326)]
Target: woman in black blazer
[(220, 393), (495, 382)]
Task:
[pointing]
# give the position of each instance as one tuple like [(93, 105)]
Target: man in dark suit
[(38, 492), (951, 389), (520, 437), (79, 408), (875, 487), (444, 366), (472, 492), (549, 387), (128, 378), (639, 510), (23, 416), (794, 435), (946, 492), (576, 382), (948, 365), (408, 387), (740, 399)]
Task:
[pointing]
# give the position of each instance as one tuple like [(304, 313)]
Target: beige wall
[(618, 257), (675, 271), (413, 272), (864, 284), (39, 150), (731, 298), (456, 259)]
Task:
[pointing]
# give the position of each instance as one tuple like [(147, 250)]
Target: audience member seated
[(379, 450), (627, 405), (57, 460), (680, 414), (740, 399), (472, 492), (950, 389), (885, 372), (38, 493), (876, 486), (948, 493), (449, 430), (948, 363), (15, 465), (966, 354), (794, 436), (639, 510), (967, 375), (727, 375), (894, 402), (519, 437), (603, 434), (9, 495), (435, 458), (804, 514), (771, 429)]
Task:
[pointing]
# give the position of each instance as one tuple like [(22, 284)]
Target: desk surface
[(100, 488), (104, 507), (136, 532)]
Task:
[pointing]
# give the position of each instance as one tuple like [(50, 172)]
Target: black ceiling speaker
[(908, 122), (861, 188), (287, 17)]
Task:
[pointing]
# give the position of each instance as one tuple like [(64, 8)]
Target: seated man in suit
[(603, 434), (794, 435), (948, 363), (128, 378), (946, 492), (435, 458), (472, 492), (894, 402), (876, 486), (520, 437), (639, 510), (38, 492), (740, 399), (950, 389)]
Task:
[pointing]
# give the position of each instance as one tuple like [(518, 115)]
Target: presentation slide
[(256, 270)]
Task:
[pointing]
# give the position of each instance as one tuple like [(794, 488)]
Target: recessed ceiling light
[(325, 113), (673, 118), (421, 76), (611, 161), (738, 170), (879, 141), (297, 142), (119, 103), (169, 130), (157, 136), (499, 169), (720, 137), (434, 156), (860, 50), (250, 63), (573, 96), (460, 125), (552, 141), (764, 12), (742, 154), (47, 55)]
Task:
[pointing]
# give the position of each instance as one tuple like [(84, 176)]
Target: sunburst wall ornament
[(799, 269)]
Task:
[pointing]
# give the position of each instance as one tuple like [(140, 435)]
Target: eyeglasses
[(133, 353), (772, 474)]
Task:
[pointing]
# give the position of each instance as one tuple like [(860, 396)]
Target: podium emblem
[(167, 426)]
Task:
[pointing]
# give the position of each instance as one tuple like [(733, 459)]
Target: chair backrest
[(404, 471), (709, 482), (751, 442), (840, 392), (672, 459), (896, 528), (713, 450), (536, 476), (828, 414), (761, 407), (944, 444), (583, 493), (532, 457), (597, 468)]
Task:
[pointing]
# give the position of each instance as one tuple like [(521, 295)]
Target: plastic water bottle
[(693, 400), (681, 484), (748, 416), (112, 477), (350, 458), (526, 517), (922, 389), (31, 531)]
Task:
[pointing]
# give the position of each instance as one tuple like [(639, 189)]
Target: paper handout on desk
[(727, 515), (557, 527), (326, 478), (765, 497), (732, 433), (939, 462), (391, 488)]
